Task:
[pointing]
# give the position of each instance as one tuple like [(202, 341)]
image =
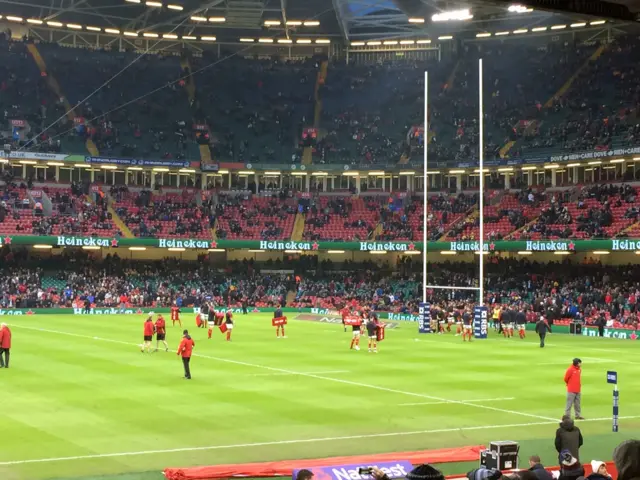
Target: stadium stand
[(368, 112), (596, 112), (262, 218), (370, 115), (516, 97), (598, 212), (26, 96), (509, 213), (256, 108), (545, 97), (158, 126), (163, 213), (52, 209), (589, 211), (337, 218)]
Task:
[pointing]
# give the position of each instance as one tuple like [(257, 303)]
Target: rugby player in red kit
[(175, 315), (229, 322), (345, 312), (148, 331), (161, 332)]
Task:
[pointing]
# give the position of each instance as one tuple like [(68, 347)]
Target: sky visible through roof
[(358, 9)]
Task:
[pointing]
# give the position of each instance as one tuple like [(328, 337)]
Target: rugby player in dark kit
[(467, 326), (229, 323), (372, 333), (521, 322)]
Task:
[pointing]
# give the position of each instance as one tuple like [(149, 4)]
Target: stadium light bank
[(519, 9), (453, 15)]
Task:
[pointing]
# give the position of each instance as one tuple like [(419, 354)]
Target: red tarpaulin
[(286, 467)]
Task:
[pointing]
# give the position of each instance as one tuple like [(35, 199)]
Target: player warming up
[(496, 318), (467, 327), (212, 316), (521, 321), (345, 313), (442, 320), (205, 315), (512, 321), (229, 322), (161, 333), (458, 319), (450, 321), (355, 339), (506, 321), (148, 331), (175, 315), (372, 333), (278, 314), (211, 323)]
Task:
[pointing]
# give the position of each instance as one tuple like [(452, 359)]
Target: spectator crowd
[(589, 292)]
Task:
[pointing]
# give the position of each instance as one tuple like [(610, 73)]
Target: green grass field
[(80, 400)]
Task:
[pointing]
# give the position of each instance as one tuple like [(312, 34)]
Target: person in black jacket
[(568, 438), (601, 323), (542, 328), (550, 314), (538, 469), (484, 473)]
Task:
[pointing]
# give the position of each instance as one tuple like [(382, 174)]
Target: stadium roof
[(230, 20)]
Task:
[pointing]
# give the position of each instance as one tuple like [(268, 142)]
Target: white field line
[(586, 348), (293, 442), (594, 361), (317, 377), (508, 342), (566, 363), (468, 401), (607, 350), (297, 373), (608, 360), (503, 341)]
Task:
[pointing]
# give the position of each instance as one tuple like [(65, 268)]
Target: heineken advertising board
[(588, 331), (18, 312), (613, 245)]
